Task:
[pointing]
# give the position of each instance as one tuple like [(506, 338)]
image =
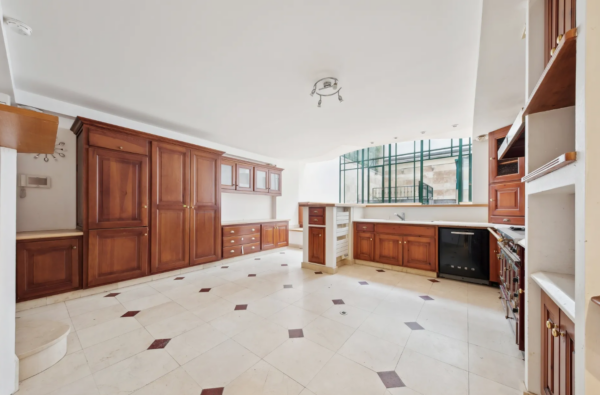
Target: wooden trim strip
[(551, 166)]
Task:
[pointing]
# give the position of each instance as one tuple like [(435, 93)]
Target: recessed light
[(455, 125), (17, 26)]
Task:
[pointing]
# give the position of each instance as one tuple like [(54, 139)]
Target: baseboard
[(402, 269), (298, 246), (319, 268)]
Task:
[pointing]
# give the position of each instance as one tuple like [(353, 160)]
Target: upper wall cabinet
[(560, 18), (507, 169), (248, 177)]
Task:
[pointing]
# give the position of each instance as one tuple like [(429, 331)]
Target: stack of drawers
[(240, 240), (316, 215)]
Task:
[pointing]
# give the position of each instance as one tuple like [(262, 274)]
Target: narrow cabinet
[(282, 234), (494, 261), (316, 245), (388, 249), (364, 246)]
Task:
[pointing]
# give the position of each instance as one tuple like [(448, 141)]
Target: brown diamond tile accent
[(205, 290), (212, 391), (363, 283), (338, 301), (224, 267), (381, 270), (241, 307), (318, 272), (295, 333), (288, 286), (414, 326), (433, 280), (158, 344), (179, 278), (130, 314), (112, 295), (284, 264), (426, 297), (391, 379), (251, 275)]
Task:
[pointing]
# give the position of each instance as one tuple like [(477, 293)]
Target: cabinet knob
[(371, 239), (253, 229), (253, 238), (491, 200), (231, 251), (404, 242), (559, 38), (232, 231), (191, 207), (555, 332), (145, 206), (74, 247), (552, 51), (491, 158), (252, 247), (145, 234), (549, 324), (184, 206), (120, 147), (320, 235), (232, 241), (506, 220), (521, 291)]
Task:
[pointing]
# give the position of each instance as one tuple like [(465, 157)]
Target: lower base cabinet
[(316, 245), (245, 239), (419, 253), (388, 249), (48, 267), (558, 349), (364, 246), (117, 255)]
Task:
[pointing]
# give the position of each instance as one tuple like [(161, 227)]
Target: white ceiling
[(239, 72)]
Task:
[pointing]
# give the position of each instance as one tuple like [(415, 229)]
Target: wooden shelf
[(551, 166), (27, 131), (596, 299), (556, 87)]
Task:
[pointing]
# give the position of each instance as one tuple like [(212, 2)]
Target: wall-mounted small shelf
[(551, 166), (27, 131), (556, 87)]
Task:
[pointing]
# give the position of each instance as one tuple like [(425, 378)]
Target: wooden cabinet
[(261, 179), (494, 261), (48, 266), (245, 239), (274, 235), (117, 255), (249, 177), (364, 246), (559, 19), (419, 253), (507, 200), (275, 182), (316, 245), (558, 348), (118, 189), (508, 169), (388, 249), (227, 174), (282, 234)]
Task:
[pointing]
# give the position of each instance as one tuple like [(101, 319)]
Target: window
[(427, 172)]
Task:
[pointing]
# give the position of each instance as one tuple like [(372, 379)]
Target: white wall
[(319, 181), (238, 206), (430, 213)]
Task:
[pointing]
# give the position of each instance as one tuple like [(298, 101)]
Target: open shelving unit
[(27, 131)]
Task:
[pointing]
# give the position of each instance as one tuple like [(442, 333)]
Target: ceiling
[(240, 72)]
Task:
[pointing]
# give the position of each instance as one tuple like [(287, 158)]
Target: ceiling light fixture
[(423, 132), (327, 87), (17, 26), (455, 125)]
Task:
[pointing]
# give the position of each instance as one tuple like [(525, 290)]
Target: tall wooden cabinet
[(146, 204)]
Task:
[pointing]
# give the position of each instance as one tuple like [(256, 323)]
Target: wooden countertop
[(252, 221), (47, 234)]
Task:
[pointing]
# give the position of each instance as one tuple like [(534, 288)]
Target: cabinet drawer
[(508, 220), (229, 252), (118, 141), (406, 230), (229, 231), (250, 248), (364, 227), (316, 211), (316, 220), (239, 240)]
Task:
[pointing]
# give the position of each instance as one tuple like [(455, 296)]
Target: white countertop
[(46, 234), (560, 288), (321, 204), (435, 223), (252, 221)]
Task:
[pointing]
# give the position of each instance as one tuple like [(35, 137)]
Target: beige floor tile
[(499, 338), (226, 289), (174, 326), (289, 295), (214, 310), (136, 292), (106, 331), (328, 333), (481, 386), (263, 379), (68, 370), (266, 307), (99, 316), (372, 352), (407, 310), (301, 359), (235, 321), (198, 300), (440, 347), (158, 313), (102, 355), (178, 382), (306, 391), (220, 365), (495, 366), (262, 337), (354, 316), (402, 391), (245, 296), (386, 327), (342, 376), (293, 317), (191, 344), (134, 372), (73, 343), (86, 386), (316, 303), (90, 303), (145, 302), (416, 371), (445, 322)]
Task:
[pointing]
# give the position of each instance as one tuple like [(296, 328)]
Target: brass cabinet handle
[(232, 241), (74, 247), (550, 324), (521, 291), (252, 247), (184, 206), (506, 220), (252, 238), (491, 200), (320, 234), (231, 251), (371, 239), (120, 147), (552, 51), (253, 229), (145, 234), (559, 38), (555, 332), (232, 231), (145, 206)]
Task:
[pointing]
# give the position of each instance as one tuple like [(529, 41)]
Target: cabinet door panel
[(268, 237), (275, 182), (281, 232), (170, 207), (567, 351), (118, 189), (419, 253), (116, 255), (244, 175), (316, 245), (507, 199), (504, 170), (364, 246), (261, 179), (47, 267), (205, 245), (388, 249), (550, 354), (227, 174), (494, 262)]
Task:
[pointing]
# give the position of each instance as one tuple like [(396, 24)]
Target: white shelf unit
[(342, 233)]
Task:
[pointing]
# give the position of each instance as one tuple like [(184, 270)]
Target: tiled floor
[(285, 331)]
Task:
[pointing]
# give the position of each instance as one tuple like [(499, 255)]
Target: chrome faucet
[(401, 216)]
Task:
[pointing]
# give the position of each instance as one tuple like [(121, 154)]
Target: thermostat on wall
[(29, 181)]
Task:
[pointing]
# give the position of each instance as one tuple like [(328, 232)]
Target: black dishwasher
[(464, 254)]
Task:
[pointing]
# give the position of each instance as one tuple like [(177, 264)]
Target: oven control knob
[(516, 280), (515, 310), (516, 295)]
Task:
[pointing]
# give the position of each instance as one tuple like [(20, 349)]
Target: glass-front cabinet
[(227, 174), (242, 176), (275, 182), (261, 179)]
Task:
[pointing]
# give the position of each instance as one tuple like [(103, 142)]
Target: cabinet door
[(205, 225), (550, 347), (118, 189), (567, 354), (275, 182), (316, 245), (419, 253), (261, 179), (170, 207), (494, 261), (116, 255), (559, 19), (244, 176), (281, 233), (227, 174), (268, 237), (47, 267), (507, 200), (388, 249), (364, 246), (508, 169)]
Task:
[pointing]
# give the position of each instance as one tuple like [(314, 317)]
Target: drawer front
[(316, 211), (229, 252), (250, 248), (406, 230), (316, 220), (239, 240), (508, 220), (364, 227), (229, 231), (118, 141)]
